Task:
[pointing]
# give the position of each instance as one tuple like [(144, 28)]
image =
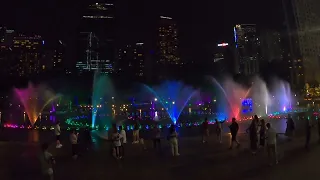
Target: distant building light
[(217, 59), (139, 44), (164, 17), (9, 31), (223, 44), (98, 17), (43, 42)]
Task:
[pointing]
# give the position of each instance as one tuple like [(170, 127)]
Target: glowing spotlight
[(173, 102), (284, 108), (155, 99)]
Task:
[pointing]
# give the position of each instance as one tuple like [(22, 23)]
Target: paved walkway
[(197, 161)]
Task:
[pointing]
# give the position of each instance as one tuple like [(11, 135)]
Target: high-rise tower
[(96, 46), (307, 22), (168, 42), (247, 45)]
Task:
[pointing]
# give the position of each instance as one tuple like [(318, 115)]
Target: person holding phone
[(74, 143), (47, 161)]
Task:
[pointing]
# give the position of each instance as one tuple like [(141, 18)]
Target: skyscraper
[(131, 60), (271, 45), (96, 40), (306, 24), (291, 47), (168, 42), (27, 54), (223, 58), (247, 46), (6, 54)]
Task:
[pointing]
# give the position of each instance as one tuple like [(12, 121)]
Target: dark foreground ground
[(18, 160)]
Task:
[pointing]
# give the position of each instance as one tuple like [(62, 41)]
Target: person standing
[(318, 123), (116, 143), (308, 126), (157, 137), (271, 137), (74, 143), (205, 130), (123, 136), (173, 139), (262, 133), (136, 137), (252, 130), (57, 132), (47, 161), (87, 139), (234, 128), (290, 128), (219, 129)]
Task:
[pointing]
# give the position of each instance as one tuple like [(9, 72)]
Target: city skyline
[(197, 22)]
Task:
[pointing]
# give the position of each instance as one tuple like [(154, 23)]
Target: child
[(46, 160), (74, 143), (116, 143), (57, 132), (123, 136), (173, 139)]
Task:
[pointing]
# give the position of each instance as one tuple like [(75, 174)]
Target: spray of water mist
[(102, 91), (173, 96), (34, 99)]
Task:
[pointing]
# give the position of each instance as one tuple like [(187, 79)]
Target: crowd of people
[(261, 135)]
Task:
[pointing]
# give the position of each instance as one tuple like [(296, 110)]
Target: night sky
[(201, 24)]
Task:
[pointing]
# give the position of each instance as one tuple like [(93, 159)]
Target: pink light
[(223, 45)]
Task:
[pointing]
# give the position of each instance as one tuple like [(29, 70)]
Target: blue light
[(235, 36), (247, 105), (42, 42)]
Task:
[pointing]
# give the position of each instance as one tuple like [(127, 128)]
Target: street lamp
[(155, 99)]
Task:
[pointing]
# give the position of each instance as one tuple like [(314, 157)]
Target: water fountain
[(261, 96), (281, 96), (263, 101), (173, 97), (102, 91), (34, 99), (234, 94)]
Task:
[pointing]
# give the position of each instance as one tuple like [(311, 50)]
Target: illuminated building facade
[(131, 60), (168, 42), (58, 57), (306, 24), (6, 54), (271, 45), (96, 40), (247, 46), (27, 52), (223, 58)]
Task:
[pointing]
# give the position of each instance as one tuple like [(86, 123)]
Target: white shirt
[(45, 160), (57, 130), (123, 135), (74, 138), (116, 139), (271, 136)]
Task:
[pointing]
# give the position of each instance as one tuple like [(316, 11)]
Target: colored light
[(223, 45)]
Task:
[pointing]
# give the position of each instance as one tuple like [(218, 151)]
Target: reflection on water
[(33, 136)]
